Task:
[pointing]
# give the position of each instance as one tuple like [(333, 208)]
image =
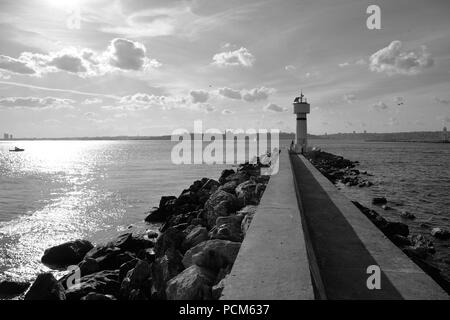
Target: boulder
[(229, 186), (88, 266), (164, 269), (220, 203), (239, 177), (133, 242), (249, 213), (124, 268), (379, 200), (45, 287), (395, 228), (228, 228), (163, 212), (97, 296), (246, 193), (407, 215), (137, 279), (103, 282), (197, 235), (194, 283), (100, 251), (66, 254), (170, 239), (225, 174), (225, 249), (440, 233), (114, 260), (10, 288)]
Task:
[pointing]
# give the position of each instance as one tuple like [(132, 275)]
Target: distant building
[(6, 136), (365, 131), (10, 137), (354, 132), (444, 134)]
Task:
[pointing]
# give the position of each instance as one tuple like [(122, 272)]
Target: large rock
[(132, 242), (45, 287), (225, 174), (138, 278), (163, 212), (170, 239), (220, 203), (104, 282), (230, 186), (396, 228), (246, 193), (114, 260), (194, 283), (88, 266), (223, 249), (440, 233), (164, 269), (228, 228), (248, 212), (239, 177), (10, 288), (66, 254), (196, 236)]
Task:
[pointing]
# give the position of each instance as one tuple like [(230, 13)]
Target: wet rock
[(163, 212), (229, 186), (379, 201), (100, 251), (164, 269), (104, 282), (440, 233), (225, 174), (220, 203), (45, 287), (66, 254), (227, 228), (407, 215), (11, 289), (171, 239), (132, 242), (138, 278), (88, 266), (396, 228), (197, 235), (114, 260), (239, 177), (147, 254), (124, 268), (221, 249), (97, 296), (194, 283)]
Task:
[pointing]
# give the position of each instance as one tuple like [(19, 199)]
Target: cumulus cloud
[(15, 65), (121, 54), (380, 106), (442, 101), (36, 103), (274, 108), (230, 93), (393, 60), (255, 94), (239, 57), (199, 96), (227, 112), (349, 98)]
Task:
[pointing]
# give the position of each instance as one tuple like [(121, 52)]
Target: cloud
[(15, 65), (290, 68), (255, 94), (379, 106), (36, 103), (393, 122), (92, 101), (274, 108), (393, 60), (227, 112), (239, 57), (349, 98), (230, 93), (199, 96), (442, 101), (121, 54), (128, 55)]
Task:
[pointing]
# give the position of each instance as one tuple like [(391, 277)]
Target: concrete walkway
[(345, 243)]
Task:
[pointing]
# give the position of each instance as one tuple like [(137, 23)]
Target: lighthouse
[(301, 109)]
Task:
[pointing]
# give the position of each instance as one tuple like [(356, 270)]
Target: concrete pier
[(308, 241)]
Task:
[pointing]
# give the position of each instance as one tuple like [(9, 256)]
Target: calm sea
[(57, 191)]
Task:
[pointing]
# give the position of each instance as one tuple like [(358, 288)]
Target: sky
[(71, 68)]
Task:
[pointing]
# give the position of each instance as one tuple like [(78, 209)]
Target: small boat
[(17, 150)]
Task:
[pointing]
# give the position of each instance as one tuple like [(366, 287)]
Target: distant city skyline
[(134, 67)]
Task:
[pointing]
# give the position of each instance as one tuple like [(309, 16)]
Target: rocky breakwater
[(418, 247), (189, 258)]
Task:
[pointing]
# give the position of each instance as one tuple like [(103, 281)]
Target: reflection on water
[(58, 191)]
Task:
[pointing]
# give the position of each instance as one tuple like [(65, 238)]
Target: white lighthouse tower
[(301, 109)]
